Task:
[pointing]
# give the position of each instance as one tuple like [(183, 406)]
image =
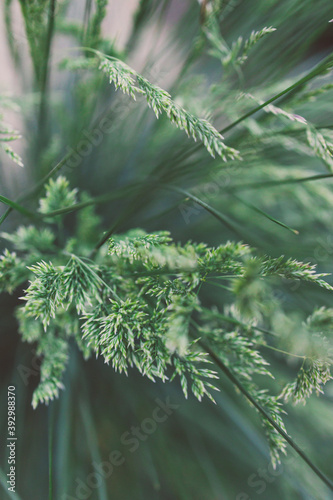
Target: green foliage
[(122, 317), (147, 301), (96, 22), (11, 268), (54, 351), (237, 54), (160, 101), (35, 15), (252, 40), (311, 377), (45, 293), (315, 371), (236, 346), (8, 134), (57, 195), (275, 110), (88, 222), (30, 238), (320, 146), (11, 153), (136, 306), (293, 270)]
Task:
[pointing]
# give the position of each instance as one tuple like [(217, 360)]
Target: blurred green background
[(202, 451)]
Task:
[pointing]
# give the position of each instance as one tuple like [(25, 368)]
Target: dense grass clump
[(133, 250)]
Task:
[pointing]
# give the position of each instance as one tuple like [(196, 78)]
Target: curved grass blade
[(279, 182), (16, 206), (218, 215), (261, 212)]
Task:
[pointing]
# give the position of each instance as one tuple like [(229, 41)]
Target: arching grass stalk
[(266, 415)]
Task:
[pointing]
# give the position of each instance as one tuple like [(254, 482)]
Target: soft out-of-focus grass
[(201, 451)]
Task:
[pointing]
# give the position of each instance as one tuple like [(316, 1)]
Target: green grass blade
[(16, 206), (261, 212), (218, 215), (261, 410)]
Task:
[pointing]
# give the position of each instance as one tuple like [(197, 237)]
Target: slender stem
[(258, 185), (87, 13), (35, 189), (265, 214), (16, 206), (219, 285), (45, 73), (316, 71), (280, 350), (98, 278), (221, 217), (3, 482), (263, 412), (235, 321)]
